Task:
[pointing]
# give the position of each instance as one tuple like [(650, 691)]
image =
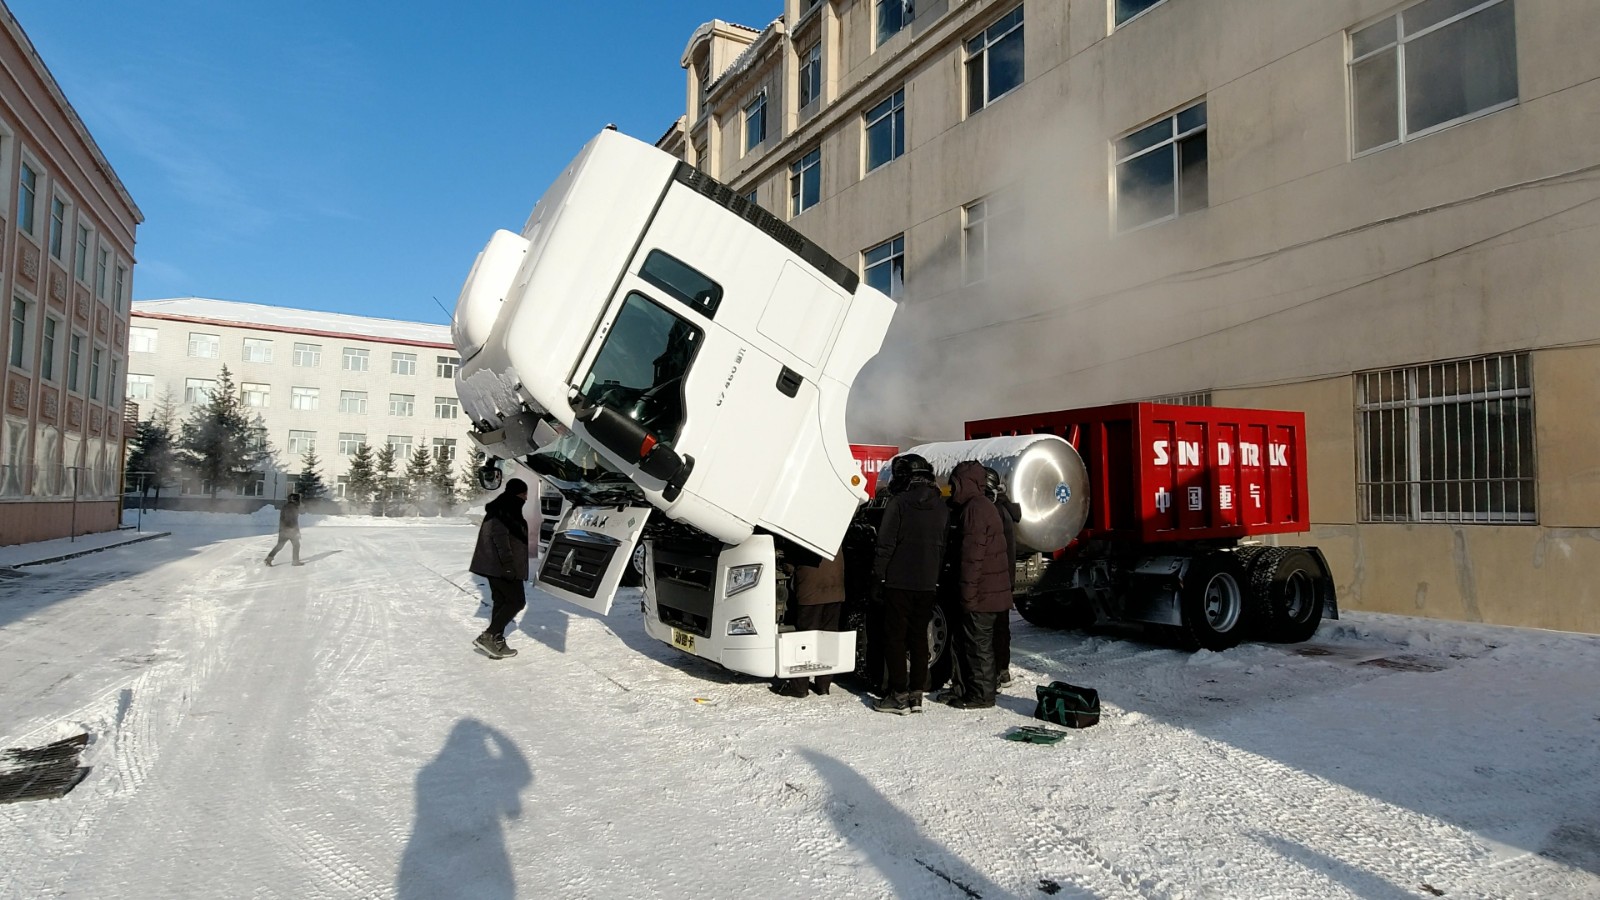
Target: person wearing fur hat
[(501, 556)]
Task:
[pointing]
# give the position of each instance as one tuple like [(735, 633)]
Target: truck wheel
[(1060, 610), (1289, 588), (633, 574), (1213, 601), (941, 648)]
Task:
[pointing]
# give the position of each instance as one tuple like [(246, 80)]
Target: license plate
[(683, 640)]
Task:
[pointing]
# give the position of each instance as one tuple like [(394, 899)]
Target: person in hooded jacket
[(501, 556), (985, 579), (906, 568), (819, 599), (1010, 515), (288, 529)]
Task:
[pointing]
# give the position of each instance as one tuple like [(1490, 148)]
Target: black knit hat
[(516, 487)]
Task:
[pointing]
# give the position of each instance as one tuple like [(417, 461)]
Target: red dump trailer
[(1179, 498)]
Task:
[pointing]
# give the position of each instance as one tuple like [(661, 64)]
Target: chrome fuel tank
[(1043, 474)]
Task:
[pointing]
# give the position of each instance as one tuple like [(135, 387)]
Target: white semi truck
[(664, 352)]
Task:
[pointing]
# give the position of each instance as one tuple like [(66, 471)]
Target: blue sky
[(353, 156)]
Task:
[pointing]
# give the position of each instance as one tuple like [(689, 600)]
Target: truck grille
[(577, 563), (683, 583), (550, 507)]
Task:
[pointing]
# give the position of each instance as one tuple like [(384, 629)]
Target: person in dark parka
[(819, 600), (501, 556), (1010, 515), (985, 579), (288, 529), (906, 568)]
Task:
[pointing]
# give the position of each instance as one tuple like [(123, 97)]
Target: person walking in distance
[(906, 570), (1010, 515), (985, 584), (288, 529), (818, 593), (501, 556)]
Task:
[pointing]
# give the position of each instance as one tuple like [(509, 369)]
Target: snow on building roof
[(298, 321)]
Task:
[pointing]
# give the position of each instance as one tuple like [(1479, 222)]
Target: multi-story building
[(1381, 212), (319, 380), (67, 229)]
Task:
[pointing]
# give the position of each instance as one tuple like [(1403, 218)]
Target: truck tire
[(633, 573), (1214, 602), (1289, 588), (1060, 610), (941, 647), (872, 668)]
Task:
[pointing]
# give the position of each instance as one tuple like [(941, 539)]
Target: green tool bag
[(1069, 705)]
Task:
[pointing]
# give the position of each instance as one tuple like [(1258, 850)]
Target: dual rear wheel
[(1276, 593)]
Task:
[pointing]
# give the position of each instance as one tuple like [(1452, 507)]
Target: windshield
[(578, 470), (640, 368)]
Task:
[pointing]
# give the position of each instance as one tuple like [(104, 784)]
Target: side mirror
[(490, 476), (630, 440)]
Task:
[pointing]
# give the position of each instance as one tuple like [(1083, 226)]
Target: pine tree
[(152, 454), (443, 484), (385, 468), (219, 443), (309, 484), (471, 489), (418, 481), (363, 479)]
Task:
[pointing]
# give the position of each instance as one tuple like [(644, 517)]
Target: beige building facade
[(1385, 214), (67, 228), (317, 380)]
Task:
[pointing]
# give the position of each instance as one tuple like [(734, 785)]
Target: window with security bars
[(1448, 442), (1193, 398)]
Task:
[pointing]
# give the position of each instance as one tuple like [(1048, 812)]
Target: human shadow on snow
[(463, 796)]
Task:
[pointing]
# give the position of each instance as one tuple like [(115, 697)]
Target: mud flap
[(803, 654), (589, 552)]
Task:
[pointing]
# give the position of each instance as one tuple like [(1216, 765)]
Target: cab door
[(589, 553)]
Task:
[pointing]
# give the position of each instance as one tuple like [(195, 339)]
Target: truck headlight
[(743, 578), (741, 625)]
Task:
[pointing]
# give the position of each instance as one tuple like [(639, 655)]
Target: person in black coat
[(1010, 515), (288, 529), (906, 569), (501, 556)]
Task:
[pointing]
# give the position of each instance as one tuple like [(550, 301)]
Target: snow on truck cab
[(651, 341)]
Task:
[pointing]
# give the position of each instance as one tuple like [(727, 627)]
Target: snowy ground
[(325, 731)]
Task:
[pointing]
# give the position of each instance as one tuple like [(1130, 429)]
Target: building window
[(304, 398), (811, 75), (402, 404), (47, 356), (446, 408), (74, 360), (446, 366), (101, 261), (445, 449), (805, 182), (886, 130), (19, 332), (1161, 170), (401, 444), (301, 442), (1429, 66), (884, 266), (403, 364), (141, 387), (1193, 398), (95, 356), (255, 485), (195, 390), (141, 340), (120, 296), (58, 223), (892, 16), (994, 61), (27, 195), (353, 402), (205, 346), (1448, 442), (111, 384), (988, 235), (255, 396), (1123, 10), (755, 122), (750, 198), (257, 350), (350, 442), (80, 262), (355, 360), (309, 355)]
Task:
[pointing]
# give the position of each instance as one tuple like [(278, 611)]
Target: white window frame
[(197, 391), (253, 389), (808, 161), (74, 360), (31, 215), (147, 385), (811, 74), (353, 402), (756, 107), (448, 445), (979, 217), (300, 441), (402, 446), (102, 272), (20, 344), (988, 42), (1170, 145), (350, 442), (56, 240), (96, 355), (894, 113), (351, 354), (83, 240), (198, 340), (305, 398), (308, 356), (402, 363), (1399, 47), (136, 336), (1111, 13), (49, 340), (446, 366), (403, 405), (119, 299), (907, 13), (896, 250), (446, 408), (261, 352)]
